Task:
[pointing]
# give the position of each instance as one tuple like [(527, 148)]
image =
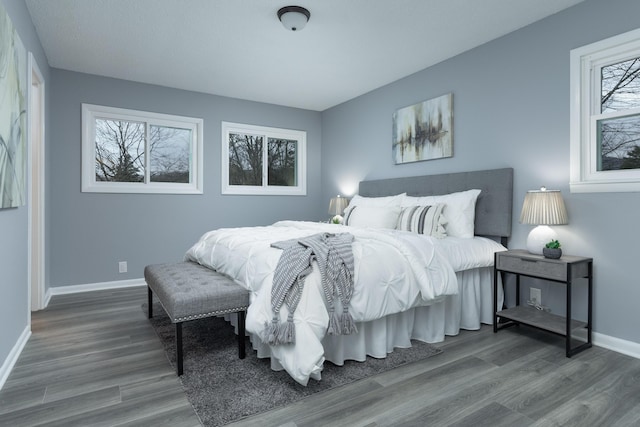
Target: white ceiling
[(238, 48)]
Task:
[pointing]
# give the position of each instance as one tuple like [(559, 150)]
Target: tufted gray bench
[(189, 291)]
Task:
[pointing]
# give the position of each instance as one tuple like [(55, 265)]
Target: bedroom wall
[(14, 286), (92, 232), (511, 109)]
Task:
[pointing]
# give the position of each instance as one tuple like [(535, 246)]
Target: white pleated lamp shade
[(544, 207), (337, 205)]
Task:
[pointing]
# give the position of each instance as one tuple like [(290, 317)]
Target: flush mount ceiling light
[(294, 18)]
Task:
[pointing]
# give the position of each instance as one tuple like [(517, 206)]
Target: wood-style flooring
[(94, 360)]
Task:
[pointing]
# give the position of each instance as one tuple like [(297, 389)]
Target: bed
[(406, 286)]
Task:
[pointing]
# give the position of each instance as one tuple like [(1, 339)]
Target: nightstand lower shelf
[(540, 319)]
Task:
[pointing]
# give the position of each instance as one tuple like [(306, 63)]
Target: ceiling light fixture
[(294, 18)]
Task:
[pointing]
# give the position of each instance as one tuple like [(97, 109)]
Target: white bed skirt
[(469, 309)]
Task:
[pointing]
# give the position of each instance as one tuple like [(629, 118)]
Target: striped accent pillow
[(427, 220)]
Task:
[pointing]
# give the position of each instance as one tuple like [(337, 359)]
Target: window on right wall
[(605, 115)]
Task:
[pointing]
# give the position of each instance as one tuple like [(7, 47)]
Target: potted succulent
[(552, 250), (337, 219)]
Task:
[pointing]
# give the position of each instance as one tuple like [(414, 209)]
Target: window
[(263, 160), (128, 151), (605, 115)]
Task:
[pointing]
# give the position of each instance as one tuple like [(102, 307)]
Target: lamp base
[(539, 237)]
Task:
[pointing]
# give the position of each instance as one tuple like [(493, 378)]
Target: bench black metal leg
[(150, 301), (241, 349), (179, 348)]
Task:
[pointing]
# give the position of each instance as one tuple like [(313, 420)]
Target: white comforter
[(394, 271)]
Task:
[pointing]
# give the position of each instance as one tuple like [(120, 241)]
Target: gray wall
[(14, 302), (91, 232), (511, 108)]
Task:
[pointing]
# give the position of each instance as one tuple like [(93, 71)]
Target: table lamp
[(337, 206), (542, 208)]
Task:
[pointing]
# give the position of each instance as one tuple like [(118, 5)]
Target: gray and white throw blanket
[(334, 256)]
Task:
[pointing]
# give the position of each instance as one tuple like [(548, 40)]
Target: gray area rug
[(223, 388)]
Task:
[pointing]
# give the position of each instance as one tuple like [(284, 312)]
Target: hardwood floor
[(94, 360)]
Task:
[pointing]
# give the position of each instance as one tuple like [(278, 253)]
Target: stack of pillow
[(438, 216)]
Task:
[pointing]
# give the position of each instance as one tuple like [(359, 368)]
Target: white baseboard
[(47, 298), (74, 289), (618, 345), (12, 358), (629, 348)]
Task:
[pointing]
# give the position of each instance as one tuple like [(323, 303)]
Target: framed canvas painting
[(13, 115), (423, 131)]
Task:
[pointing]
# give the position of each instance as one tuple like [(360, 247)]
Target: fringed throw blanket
[(334, 256)]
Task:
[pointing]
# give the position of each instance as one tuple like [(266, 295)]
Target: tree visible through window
[(282, 162), (170, 154), (619, 137), (119, 151), (245, 159)]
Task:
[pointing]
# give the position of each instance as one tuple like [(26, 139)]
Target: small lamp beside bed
[(542, 208), (337, 205)]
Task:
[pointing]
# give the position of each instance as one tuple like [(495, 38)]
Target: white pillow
[(459, 210), (358, 200), (373, 216)]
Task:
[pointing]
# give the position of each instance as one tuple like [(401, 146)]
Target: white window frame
[(265, 189), (90, 113), (585, 70)]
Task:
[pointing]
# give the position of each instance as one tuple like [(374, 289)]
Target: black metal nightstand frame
[(558, 325)]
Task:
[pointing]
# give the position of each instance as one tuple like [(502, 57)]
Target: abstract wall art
[(423, 131), (13, 115)]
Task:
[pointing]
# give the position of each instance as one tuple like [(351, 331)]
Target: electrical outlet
[(535, 296), (122, 266)]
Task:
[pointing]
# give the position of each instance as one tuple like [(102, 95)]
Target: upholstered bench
[(189, 291)]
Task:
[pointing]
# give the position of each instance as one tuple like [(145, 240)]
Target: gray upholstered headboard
[(494, 205)]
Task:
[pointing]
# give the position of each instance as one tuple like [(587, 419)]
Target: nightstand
[(561, 271)]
